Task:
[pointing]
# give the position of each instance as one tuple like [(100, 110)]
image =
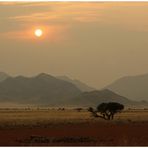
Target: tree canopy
[(109, 109)]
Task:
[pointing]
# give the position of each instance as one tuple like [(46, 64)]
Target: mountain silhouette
[(132, 87), (41, 89), (44, 89), (96, 97), (82, 86)]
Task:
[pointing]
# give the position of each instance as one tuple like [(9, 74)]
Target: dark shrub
[(90, 109)]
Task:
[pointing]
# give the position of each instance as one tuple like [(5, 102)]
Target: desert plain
[(71, 127)]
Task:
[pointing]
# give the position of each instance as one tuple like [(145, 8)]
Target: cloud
[(62, 12), (15, 34), (128, 16)]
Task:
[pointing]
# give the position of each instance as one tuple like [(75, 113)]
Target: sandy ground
[(72, 128)]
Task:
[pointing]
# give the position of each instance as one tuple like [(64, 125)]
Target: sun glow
[(38, 32)]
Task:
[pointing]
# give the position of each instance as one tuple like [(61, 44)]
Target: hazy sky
[(96, 43)]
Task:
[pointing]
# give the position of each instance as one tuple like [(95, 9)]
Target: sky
[(95, 42)]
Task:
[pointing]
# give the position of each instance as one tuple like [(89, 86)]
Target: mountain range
[(40, 89), (44, 89)]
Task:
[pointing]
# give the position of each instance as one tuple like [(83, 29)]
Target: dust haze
[(96, 43)]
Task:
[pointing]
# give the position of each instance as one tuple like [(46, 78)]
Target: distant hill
[(82, 86), (41, 89), (96, 97), (132, 87), (47, 90), (3, 76)]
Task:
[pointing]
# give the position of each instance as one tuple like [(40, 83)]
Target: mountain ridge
[(44, 88), (132, 87), (3, 76), (81, 85), (48, 90)]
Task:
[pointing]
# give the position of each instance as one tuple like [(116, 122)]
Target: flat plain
[(70, 127)]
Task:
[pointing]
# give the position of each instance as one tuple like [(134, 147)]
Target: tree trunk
[(108, 116), (112, 116)]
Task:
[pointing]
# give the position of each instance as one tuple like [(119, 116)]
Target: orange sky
[(94, 42)]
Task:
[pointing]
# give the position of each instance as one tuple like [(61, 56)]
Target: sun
[(38, 32)]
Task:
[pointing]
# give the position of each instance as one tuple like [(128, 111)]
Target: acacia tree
[(109, 109)]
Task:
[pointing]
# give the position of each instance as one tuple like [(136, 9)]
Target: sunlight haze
[(96, 43)]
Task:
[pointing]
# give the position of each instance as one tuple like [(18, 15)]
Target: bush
[(90, 109)]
